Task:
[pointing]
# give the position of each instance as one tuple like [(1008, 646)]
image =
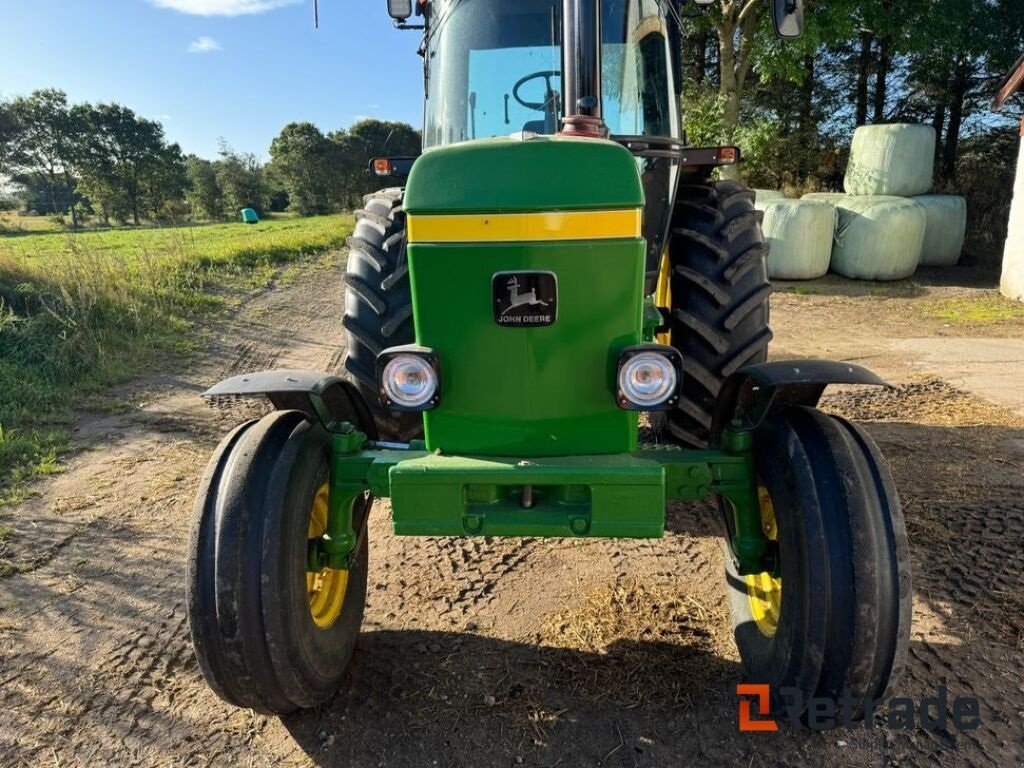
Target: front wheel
[(835, 620), (270, 635)]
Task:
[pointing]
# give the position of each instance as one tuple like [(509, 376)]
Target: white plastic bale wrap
[(945, 229), (878, 237), (833, 198), (1012, 282), (764, 195), (894, 159), (799, 235)]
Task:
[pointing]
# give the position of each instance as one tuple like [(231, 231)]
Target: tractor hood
[(526, 262)]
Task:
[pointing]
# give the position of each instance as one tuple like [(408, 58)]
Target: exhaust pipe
[(581, 67)]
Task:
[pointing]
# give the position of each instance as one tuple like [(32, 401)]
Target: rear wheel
[(378, 304), (835, 620), (715, 282), (268, 634)]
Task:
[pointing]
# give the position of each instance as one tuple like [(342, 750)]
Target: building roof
[(1013, 83)]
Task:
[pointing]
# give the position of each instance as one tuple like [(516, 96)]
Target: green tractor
[(557, 263)]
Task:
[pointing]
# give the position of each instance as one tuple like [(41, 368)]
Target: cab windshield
[(494, 68)]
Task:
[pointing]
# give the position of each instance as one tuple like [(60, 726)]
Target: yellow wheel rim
[(663, 295), (325, 589), (764, 590)]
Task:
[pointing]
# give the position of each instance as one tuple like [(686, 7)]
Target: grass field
[(80, 312)]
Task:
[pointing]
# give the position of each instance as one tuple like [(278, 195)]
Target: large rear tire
[(378, 304), (267, 634), (837, 620), (719, 297)]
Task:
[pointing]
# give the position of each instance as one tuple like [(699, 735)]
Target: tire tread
[(720, 296)]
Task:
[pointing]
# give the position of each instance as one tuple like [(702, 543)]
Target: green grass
[(80, 312), (982, 310)]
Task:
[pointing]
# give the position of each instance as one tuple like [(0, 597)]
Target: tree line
[(107, 162)]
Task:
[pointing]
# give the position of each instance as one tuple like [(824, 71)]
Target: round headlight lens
[(409, 381), (647, 379)]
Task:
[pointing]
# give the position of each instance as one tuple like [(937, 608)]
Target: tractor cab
[(496, 68)]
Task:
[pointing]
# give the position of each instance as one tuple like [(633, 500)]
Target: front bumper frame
[(601, 496)]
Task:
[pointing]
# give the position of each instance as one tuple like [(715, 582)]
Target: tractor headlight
[(649, 377), (408, 378)]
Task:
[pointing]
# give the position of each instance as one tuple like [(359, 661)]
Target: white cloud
[(204, 45), (222, 7)]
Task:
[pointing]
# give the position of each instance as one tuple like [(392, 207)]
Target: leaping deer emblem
[(517, 299)]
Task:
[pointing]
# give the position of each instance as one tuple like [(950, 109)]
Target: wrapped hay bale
[(834, 198), (878, 237), (894, 159), (764, 195), (945, 229), (799, 235)]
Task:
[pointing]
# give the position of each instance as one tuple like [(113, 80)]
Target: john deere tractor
[(557, 265)]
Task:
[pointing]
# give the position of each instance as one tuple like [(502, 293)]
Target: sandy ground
[(515, 652)]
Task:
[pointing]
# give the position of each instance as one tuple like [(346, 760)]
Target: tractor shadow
[(422, 698), (453, 698)]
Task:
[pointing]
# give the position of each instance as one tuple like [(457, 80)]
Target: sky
[(210, 69)]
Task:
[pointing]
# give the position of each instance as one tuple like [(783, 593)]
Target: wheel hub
[(764, 591), (325, 588)]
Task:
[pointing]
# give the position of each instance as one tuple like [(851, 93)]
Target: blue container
[(249, 216)]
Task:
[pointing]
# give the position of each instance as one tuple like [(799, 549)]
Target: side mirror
[(788, 18), (400, 9)]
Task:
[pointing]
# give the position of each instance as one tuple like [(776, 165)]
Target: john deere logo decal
[(525, 299)]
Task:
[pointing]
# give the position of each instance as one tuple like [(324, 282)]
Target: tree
[(165, 179), (9, 130), (127, 165), (240, 176), (735, 23), (306, 162), (43, 146), (205, 196), (277, 190)]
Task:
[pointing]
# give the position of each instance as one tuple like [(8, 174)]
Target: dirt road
[(505, 652)]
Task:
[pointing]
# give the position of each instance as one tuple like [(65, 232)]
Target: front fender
[(331, 400), (753, 393)]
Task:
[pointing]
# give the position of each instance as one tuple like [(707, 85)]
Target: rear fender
[(329, 399)]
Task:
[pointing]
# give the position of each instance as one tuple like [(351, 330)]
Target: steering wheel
[(540, 106)]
